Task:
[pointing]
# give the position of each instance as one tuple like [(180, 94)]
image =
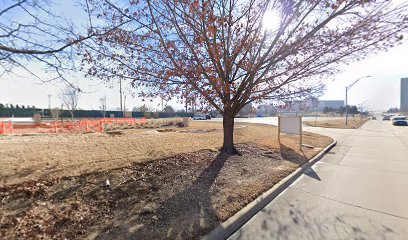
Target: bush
[(147, 115), (184, 122)]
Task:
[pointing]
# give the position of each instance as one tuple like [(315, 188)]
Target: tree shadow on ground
[(187, 213), (293, 218), (298, 158), (291, 155)]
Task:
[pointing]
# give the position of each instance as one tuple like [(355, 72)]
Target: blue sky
[(379, 92)]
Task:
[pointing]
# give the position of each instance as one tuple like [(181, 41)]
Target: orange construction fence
[(6, 128), (85, 125)]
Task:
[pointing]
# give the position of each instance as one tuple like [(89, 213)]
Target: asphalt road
[(359, 190)]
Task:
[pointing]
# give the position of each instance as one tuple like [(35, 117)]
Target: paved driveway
[(359, 190)]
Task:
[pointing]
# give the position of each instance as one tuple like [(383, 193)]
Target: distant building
[(404, 95), (313, 103), (300, 106), (335, 104), (267, 110)]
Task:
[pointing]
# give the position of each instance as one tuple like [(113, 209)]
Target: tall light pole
[(120, 94), (348, 88), (49, 101), (124, 106)]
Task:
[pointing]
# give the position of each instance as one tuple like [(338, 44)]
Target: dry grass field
[(165, 183), (352, 123)]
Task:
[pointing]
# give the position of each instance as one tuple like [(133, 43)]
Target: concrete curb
[(227, 228), (361, 124)]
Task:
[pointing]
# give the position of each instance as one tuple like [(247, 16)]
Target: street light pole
[(124, 107), (348, 88), (120, 94), (346, 107), (49, 101)]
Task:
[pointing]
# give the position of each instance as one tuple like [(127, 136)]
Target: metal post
[(120, 93), (49, 101), (347, 88), (124, 107), (346, 106)]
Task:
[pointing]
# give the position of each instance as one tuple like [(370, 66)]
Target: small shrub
[(186, 122), (147, 115)]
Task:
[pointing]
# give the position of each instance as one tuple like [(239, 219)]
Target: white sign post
[(290, 125)]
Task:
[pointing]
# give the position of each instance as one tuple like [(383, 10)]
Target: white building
[(335, 104)]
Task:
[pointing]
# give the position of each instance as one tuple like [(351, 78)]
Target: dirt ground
[(170, 183), (352, 123)]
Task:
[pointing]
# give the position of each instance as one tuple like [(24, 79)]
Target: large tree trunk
[(228, 146)]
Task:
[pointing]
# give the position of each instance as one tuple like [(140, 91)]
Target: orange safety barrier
[(85, 125), (6, 128)]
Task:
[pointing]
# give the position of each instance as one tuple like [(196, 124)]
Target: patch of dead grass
[(352, 123), (171, 184), (43, 156)]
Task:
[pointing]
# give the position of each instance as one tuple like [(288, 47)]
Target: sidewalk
[(357, 191)]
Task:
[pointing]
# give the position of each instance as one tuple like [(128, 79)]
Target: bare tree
[(31, 31), (246, 111), (102, 107), (222, 54), (70, 97), (169, 109), (55, 113)]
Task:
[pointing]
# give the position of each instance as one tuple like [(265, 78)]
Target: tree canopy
[(223, 54), (36, 39)]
